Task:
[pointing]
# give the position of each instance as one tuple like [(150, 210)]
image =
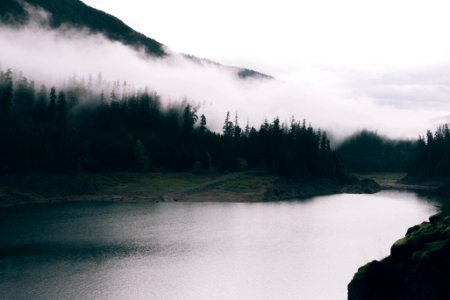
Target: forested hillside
[(79, 128), (367, 151), (77, 14), (433, 154)]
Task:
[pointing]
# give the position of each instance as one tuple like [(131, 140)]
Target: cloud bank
[(339, 101)]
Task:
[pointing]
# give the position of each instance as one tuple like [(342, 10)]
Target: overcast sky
[(343, 65), (394, 52), (279, 36)]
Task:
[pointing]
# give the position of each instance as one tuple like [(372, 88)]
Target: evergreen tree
[(228, 126), (141, 157), (41, 104), (6, 93), (51, 108), (324, 143), (202, 123), (61, 106), (367, 151), (432, 156), (236, 129), (24, 97), (247, 130), (114, 136), (189, 119)]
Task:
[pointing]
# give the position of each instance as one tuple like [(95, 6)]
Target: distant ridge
[(77, 14), (241, 72)]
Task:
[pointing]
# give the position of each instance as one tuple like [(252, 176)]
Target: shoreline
[(239, 187), (417, 267), (243, 187), (23, 189), (418, 264)]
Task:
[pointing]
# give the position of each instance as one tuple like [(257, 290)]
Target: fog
[(338, 101)]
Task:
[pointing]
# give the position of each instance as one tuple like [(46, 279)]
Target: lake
[(306, 249)]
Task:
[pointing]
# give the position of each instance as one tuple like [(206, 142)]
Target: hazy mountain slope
[(77, 14), (11, 12), (241, 72)]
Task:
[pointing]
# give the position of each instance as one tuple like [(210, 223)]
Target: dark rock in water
[(418, 267)]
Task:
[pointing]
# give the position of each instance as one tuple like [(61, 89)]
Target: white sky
[(343, 65), (283, 36), (390, 52)]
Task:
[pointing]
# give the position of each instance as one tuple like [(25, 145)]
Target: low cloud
[(338, 101), (426, 87)]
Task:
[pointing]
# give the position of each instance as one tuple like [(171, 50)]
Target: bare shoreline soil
[(132, 187), (173, 187)]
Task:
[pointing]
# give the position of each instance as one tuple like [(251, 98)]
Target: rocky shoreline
[(418, 266), (163, 187), (304, 187)]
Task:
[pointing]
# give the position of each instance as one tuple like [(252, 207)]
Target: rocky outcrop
[(418, 267), (290, 188), (364, 186)]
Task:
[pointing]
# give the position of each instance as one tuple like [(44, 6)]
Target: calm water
[(288, 250)]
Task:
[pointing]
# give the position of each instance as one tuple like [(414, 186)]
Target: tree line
[(367, 151), (432, 157), (429, 156), (58, 130)]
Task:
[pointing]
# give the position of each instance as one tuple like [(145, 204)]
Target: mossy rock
[(418, 267)]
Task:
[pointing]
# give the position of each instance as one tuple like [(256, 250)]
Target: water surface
[(282, 250)]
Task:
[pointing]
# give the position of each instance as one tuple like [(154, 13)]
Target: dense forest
[(93, 126), (433, 154), (367, 151)]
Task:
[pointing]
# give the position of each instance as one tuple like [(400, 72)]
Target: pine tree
[(61, 109), (247, 130), (324, 143), (41, 104), (141, 157), (202, 123), (236, 129), (228, 126), (189, 119), (6, 93), (24, 97), (51, 108)]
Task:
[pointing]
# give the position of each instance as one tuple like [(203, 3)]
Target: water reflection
[(282, 250)]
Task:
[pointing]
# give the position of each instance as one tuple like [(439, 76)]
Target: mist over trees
[(79, 15), (85, 128), (367, 151)]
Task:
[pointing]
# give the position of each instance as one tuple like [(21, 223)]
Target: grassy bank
[(150, 187), (40, 188), (383, 179), (155, 187), (240, 188)]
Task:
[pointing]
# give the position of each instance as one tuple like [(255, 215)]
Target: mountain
[(77, 14)]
